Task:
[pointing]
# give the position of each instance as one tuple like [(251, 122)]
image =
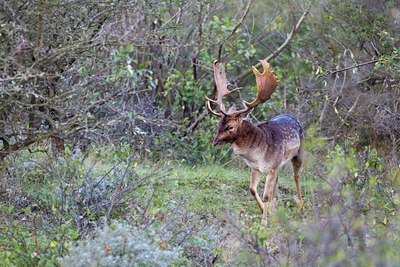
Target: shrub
[(122, 245), (51, 203), (351, 220)]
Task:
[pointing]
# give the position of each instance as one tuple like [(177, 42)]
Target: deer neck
[(250, 138)]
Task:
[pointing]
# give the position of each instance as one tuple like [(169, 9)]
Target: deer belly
[(254, 160), (253, 164), (259, 166)]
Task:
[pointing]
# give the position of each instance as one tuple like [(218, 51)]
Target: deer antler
[(266, 85), (222, 89)]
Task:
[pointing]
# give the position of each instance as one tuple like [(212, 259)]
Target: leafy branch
[(280, 48), (246, 11)]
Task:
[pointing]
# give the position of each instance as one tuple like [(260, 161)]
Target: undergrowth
[(110, 208)]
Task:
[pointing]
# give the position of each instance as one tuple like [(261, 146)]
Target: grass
[(207, 211), (216, 194)]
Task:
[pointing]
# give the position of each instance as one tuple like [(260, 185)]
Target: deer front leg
[(268, 196), (255, 179)]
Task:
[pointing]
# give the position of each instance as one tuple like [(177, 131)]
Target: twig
[(246, 11), (351, 109), (351, 67), (26, 77), (336, 110), (321, 78), (193, 126), (279, 49)]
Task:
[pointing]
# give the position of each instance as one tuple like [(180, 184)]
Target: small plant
[(122, 245)]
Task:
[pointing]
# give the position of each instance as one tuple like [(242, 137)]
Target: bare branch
[(280, 48), (246, 11), (28, 76), (351, 67)]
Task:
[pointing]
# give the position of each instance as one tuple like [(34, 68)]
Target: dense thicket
[(137, 72)]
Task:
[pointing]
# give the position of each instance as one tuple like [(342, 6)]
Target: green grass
[(215, 192), (208, 191)]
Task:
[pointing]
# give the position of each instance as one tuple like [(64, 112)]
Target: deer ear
[(240, 117), (244, 114)]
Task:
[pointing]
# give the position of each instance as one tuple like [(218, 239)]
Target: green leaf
[(129, 48), (27, 211)]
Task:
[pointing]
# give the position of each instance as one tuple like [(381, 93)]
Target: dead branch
[(351, 67)]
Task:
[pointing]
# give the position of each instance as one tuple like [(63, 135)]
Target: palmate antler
[(266, 85), (222, 89)]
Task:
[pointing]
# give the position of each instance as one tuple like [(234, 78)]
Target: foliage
[(144, 83), (50, 205), (198, 214), (62, 201), (121, 245), (104, 132), (345, 222)]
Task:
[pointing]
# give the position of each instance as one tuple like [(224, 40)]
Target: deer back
[(271, 144), (285, 135)]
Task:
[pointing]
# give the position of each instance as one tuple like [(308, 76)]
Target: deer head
[(230, 125)]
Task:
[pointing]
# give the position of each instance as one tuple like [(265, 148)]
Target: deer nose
[(215, 142)]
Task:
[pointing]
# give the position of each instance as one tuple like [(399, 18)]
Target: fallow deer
[(265, 147)]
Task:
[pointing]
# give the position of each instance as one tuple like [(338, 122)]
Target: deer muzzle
[(215, 141)]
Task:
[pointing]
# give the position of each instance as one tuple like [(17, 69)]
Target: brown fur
[(265, 147)]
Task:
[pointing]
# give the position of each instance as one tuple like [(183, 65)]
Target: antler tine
[(266, 85), (222, 89), (219, 114)]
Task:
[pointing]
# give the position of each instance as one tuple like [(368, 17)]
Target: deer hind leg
[(297, 162), (272, 196), (268, 196), (255, 179)]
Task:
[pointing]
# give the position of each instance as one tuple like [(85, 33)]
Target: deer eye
[(229, 128)]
